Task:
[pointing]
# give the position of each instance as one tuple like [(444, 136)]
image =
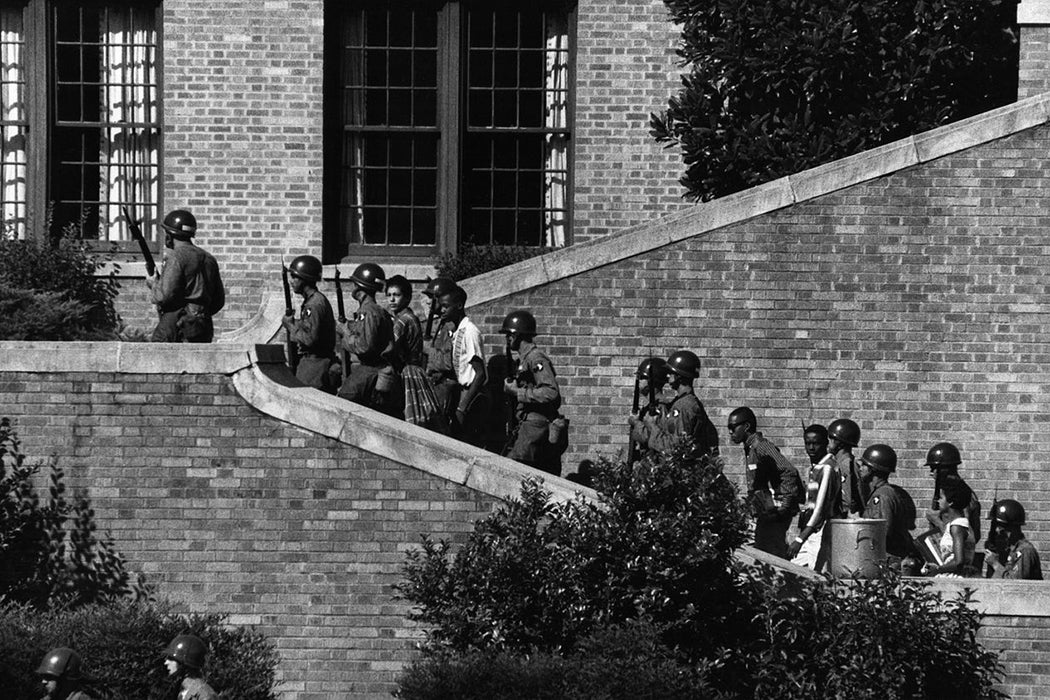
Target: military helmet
[(369, 276), (1007, 511), (943, 454), (845, 430), (742, 415), (880, 458), (62, 662), (188, 650), (306, 267), (656, 365), (521, 322), (684, 363), (438, 287), (180, 224)]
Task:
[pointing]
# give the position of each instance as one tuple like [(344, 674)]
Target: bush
[(476, 260), (49, 291), (50, 553), (778, 87), (121, 645)]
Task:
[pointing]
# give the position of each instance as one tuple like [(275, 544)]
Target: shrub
[(476, 260), (50, 553), (121, 644), (49, 291)]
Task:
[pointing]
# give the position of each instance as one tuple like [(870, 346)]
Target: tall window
[(447, 122), (79, 116)]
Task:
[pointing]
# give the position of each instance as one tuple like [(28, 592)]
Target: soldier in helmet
[(61, 675), (650, 380), (184, 659), (684, 415), (535, 388), (462, 394), (369, 338), (888, 501), (439, 367), (773, 486), (1009, 554), (944, 459), (843, 436), (314, 332), (187, 288)]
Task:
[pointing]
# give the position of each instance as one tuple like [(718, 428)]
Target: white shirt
[(466, 345)]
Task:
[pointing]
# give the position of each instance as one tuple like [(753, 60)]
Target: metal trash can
[(856, 545)]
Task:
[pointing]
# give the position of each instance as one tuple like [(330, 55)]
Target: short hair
[(818, 430), (744, 415), (401, 283), (457, 295), (957, 493)]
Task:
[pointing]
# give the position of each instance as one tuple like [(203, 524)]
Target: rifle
[(136, 235), (292, 348), (341, 308), (429, 333), (632, 449), (512, 372), (936, 489)]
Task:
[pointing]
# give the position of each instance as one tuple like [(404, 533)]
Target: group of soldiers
[(380, 356), (62, 675), (837, 486)]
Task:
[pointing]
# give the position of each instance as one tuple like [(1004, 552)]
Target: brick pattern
[(1022, 644), (229, 511), (914, 303), (1033, 76)]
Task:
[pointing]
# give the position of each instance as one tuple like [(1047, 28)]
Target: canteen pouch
[(558, 433)]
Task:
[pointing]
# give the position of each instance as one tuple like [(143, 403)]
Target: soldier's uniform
[(685, 416), (774, 489), (314, 333), (850, 485), (893, 504), (188, 293), (369, 338), (538, 401), (196, 689), (1021, 562)]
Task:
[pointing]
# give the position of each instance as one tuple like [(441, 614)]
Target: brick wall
[(914, 303), (1033, 75), (230, 511)]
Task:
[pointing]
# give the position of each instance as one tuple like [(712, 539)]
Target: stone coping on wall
[(763, 199), (130, 358)]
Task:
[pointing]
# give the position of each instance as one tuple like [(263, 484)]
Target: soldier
[(773, 485), (439, 366), (650, 379), (823, 501), (1009, 554), (464, 398), (187, 288), (684, 415), (184, 659), (843, 436), (944, 459), (60, 674), (888, 501), (369, 337), (535, 388), (314, 332)]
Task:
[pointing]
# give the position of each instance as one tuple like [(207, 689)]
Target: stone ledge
[(130, 358)]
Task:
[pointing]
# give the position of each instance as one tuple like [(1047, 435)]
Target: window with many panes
[(447, 123), (79, 116)]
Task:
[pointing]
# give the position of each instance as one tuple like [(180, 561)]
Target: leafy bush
[(50, 553), (776, 87), (121, 644), (640, 590), (49, 291), (540, 575), (476, 260)]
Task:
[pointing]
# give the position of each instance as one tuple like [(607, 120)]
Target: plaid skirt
[(421, 404)]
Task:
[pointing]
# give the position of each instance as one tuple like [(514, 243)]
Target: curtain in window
[(129, 151), (354, 65), (12, 123), (556, 94)]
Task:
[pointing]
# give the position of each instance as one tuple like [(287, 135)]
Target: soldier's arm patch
[(306, 312), (875, 501), (539, 367)]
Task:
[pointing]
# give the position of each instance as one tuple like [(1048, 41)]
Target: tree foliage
[(50, 551), (641, 590), (778, 86)]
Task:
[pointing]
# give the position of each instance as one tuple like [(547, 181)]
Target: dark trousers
[(771, 535), (180, 327), (360, 388), (532, 446), (313, 371)]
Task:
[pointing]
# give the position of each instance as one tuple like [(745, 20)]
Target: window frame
[(41, 98), (453, 55)]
